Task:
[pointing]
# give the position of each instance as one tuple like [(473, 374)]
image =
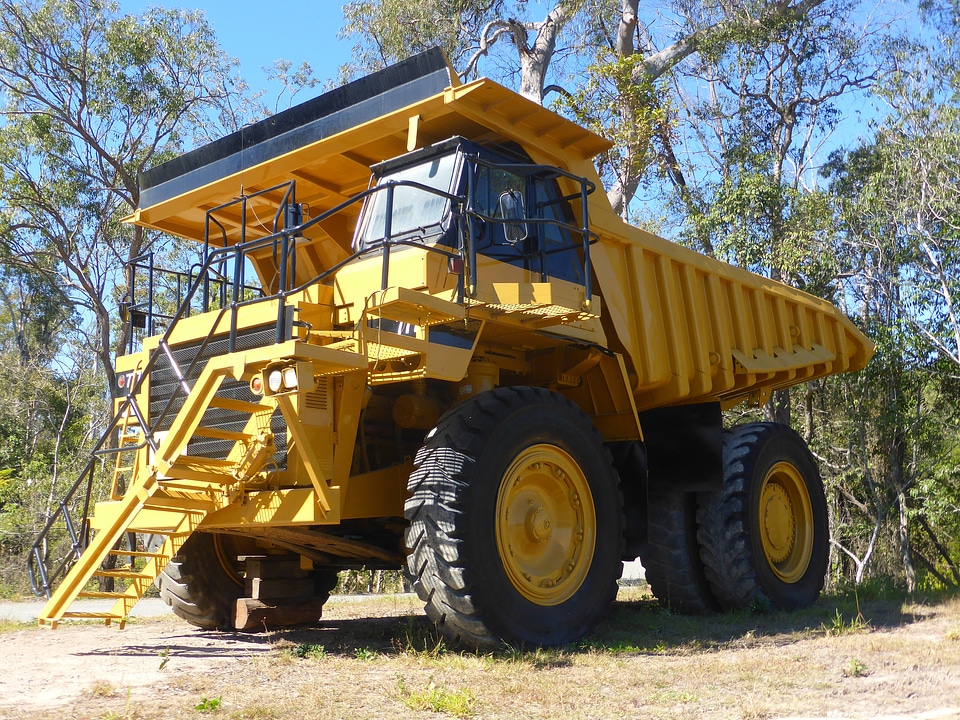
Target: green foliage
[(438, 699), (897, 206), (350, 582), (839, 626), (365, 654), (386, 31), (623, 105), (90, 99), (208, 705), (312, 651), (856, 668)]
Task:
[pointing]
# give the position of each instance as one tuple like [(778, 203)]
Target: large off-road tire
[(203, 581), (516, 521), (200, 584), (672, 563), (764, 538)]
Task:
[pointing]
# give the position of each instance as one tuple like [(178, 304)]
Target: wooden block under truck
[(418, 337)]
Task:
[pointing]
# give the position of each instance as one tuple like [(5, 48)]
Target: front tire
[(764, 539), (516, 521), (199, 585)]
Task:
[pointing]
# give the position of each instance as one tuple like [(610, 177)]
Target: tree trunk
[(777, 408), (535, 60), (905, 553)]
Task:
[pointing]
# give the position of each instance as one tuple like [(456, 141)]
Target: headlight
[(289, 378), (275, 380)]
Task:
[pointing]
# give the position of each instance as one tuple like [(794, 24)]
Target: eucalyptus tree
[(89, 98), (607, 61), (899, 207)]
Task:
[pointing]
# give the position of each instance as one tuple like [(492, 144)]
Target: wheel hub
[(545, 525), (785, 521), (779, 524), (539, 527)]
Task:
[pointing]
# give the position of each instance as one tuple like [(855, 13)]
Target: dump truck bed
[(697, 329)]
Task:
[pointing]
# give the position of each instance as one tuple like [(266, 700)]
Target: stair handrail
[(41, 579)]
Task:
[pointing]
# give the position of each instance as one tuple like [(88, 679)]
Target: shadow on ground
[(634, 627)]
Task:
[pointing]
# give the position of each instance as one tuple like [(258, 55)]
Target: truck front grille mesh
[(163, 384)]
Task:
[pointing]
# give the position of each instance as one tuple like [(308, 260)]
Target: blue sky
[(257, 35)]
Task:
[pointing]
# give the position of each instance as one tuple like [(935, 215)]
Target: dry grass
[(382, 658)]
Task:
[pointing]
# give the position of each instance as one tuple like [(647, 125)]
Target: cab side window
[(520, 222), (558, 246), (499, 198)]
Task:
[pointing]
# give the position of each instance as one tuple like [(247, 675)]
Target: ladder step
[(74, 615), (237, 405), (212, 478), (189, 485), (128, 574), (196, 460), (137, 553), (218, 434), (93, 594)]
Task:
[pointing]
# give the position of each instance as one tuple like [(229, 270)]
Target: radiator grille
[(163, 384)]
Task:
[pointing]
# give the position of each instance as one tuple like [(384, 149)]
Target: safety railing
[(222, 271)]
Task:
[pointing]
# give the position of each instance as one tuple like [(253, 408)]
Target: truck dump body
[(698, 330), (417, 335)]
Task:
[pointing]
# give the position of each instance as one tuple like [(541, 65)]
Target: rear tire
[(764, 538), (516, 521), (672, 563)]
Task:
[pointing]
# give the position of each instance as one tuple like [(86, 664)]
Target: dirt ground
[(380, 658)]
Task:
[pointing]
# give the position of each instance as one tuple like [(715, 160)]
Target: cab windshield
[(417, 213)]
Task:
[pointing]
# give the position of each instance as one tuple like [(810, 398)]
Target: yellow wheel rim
[(786, 522), (546, 525)]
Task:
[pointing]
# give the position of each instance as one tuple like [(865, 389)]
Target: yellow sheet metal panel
[(696, 329)]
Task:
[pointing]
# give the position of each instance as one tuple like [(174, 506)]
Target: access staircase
[(158, 489), (169, 497)]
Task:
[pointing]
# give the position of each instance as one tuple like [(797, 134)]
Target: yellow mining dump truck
[(419, 337)]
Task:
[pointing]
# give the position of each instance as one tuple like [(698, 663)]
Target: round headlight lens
[(274, 380)]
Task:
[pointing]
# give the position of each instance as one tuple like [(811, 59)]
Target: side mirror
[(511, 210)]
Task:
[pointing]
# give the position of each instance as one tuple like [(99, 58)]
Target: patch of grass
[(13, 626), (255, 713), (753, 710), (673, 696), (617, 647), (839, 626), (856, 668), (208, 705), (128, 712), (102, 688), (953, 634), (310, 651), (539, 658), (438, 699), (420, 641), (365, 654)]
